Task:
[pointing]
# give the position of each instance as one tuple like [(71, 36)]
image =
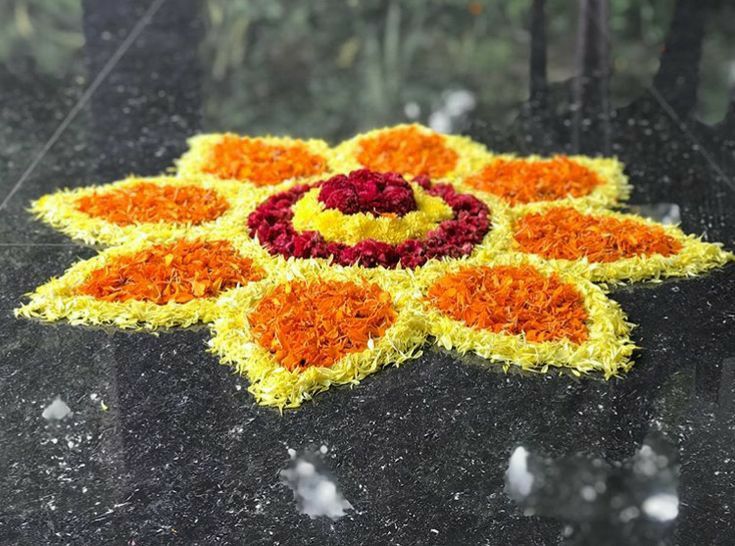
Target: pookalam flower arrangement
[(316, 266)]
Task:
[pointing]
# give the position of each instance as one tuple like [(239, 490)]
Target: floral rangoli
[(316, 266)]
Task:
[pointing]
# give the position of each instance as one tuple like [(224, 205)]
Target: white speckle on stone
[(94, 396), (323, 450), (315, 493), (629, 513), (518, 478), (661, 506), (588, 493), (292, 452), (56, 410), (435, 531), (305, 469)]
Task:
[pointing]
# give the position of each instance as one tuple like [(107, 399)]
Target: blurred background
[(328, 69)]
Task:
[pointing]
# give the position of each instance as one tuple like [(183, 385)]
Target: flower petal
[(410, 150), (256, 161), (314, 327), (145, 286), (561, 179), (526, 315), (156, 209), (611, 246)]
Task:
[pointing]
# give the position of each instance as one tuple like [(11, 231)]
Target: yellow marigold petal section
[(88, 292), (442, 157), (311, 215), (65, 211), (277, 165), (274, 384), (606, 348), (613, 186), (645, 250)]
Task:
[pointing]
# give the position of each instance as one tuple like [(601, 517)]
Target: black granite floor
[(183, 455)]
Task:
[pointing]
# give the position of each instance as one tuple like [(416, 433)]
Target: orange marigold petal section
[(407, 150), (514, 300), (521, 181), (263, 164), (178, 272), (317, 323), (565, 233), (147, 202)]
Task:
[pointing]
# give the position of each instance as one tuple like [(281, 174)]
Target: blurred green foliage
[(44, 33), (332, 67)]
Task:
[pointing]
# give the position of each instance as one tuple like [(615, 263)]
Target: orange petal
[(263, 164), (514, 300), (565, 233), (524, 181), (318, 323), (408, 151), (176, 272), (147, 202)]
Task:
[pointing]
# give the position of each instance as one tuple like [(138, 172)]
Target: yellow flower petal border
[(194, 160), (272, 384), (607, 350), (59, 211), (614, 187), (57, 300), (471, 155), (309, 214), (696, 256)]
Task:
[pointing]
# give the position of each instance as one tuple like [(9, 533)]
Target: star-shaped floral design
[(316, 266)]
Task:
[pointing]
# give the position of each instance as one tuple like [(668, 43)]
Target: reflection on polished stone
[(666, 213), (633, 501), (314, 487)]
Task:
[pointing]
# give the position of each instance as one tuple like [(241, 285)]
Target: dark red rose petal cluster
[(369, 192), (272, 224)]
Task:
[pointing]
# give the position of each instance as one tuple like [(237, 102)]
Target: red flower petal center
[(369, 192)]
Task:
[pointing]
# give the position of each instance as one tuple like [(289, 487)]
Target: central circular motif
[(311, 214), (445, 223)]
